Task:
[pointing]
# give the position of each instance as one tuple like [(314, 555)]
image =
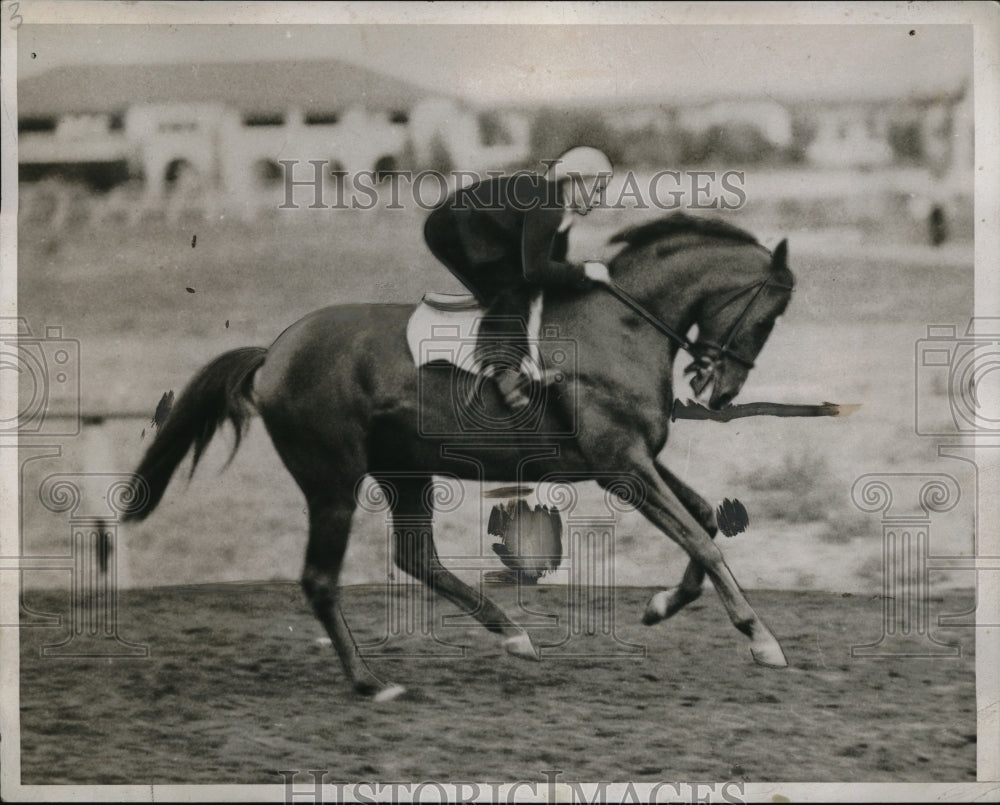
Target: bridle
[(707, 353), (724, 350)]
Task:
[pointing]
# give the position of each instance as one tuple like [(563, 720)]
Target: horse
[(342, 400)]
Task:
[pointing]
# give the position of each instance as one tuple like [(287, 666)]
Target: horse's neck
[(677, 284), (673, 288)]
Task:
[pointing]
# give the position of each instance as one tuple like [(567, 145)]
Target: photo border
[(983, 16)]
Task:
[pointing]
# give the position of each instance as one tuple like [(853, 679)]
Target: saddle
[(445, 327), (451, 302)]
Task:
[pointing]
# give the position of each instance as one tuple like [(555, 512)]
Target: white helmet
[(580, 162)]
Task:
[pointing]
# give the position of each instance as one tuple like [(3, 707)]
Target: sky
[(531, 63)]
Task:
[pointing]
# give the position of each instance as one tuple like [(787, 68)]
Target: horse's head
[(733, 325)]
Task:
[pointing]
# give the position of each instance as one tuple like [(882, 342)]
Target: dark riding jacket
[(503, 234)]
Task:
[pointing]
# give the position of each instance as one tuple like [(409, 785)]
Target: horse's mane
[(679, 223)]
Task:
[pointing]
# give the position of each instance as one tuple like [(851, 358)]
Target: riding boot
[(512, 385)]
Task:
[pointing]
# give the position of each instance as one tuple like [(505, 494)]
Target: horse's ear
[(779, 259)]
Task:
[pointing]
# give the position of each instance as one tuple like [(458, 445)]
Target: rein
[(700, 348), (619, 292)]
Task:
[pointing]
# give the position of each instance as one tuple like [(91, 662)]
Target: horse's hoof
[(769, 655), (389, 692), (521, 646), (656, 609)]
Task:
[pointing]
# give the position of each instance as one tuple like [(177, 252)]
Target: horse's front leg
[(668, 602), (662, 507)]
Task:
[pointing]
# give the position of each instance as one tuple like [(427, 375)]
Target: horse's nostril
[(720, 401)]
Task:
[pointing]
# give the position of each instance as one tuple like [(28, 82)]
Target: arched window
[(180, 175), (322, 118), (335, 173), (264, 119), (36, 124), (267, 173), (385, 167)]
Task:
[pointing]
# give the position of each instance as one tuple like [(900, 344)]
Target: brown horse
[(341, 399)]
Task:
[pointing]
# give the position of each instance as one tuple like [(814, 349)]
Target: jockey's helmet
[(582, 162)]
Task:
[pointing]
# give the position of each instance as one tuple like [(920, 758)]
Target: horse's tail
[(220, 391)]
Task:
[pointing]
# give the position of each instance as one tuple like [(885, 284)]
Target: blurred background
[(838, 126), (151, 231)]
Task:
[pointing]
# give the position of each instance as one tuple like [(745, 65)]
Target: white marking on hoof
[(769, 654), (656, 609), (521, 646), (390, 692)]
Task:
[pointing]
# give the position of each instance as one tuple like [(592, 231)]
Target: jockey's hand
[(597, 272)]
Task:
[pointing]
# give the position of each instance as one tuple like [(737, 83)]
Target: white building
[(228, 126)]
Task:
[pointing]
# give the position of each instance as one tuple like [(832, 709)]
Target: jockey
[(506, 239)]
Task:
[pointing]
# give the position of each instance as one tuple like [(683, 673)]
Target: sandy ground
[(237, 687)]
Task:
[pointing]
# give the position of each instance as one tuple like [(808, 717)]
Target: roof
[(259, 86), (749, 101)]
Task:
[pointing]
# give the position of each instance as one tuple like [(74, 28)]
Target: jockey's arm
[(541, 227)]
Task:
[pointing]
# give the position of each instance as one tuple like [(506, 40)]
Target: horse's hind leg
[(668, 602), (414, 553), (329, 528)]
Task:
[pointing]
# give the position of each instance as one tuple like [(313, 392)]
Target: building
[(934, 131), (227, 126)]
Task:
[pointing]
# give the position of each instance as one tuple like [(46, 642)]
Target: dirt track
[(237, 687)]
